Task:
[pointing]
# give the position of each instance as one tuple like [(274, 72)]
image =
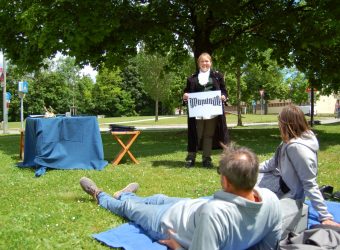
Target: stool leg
[(121, 153), (131, 141)]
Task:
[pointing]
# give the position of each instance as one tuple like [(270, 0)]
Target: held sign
[(205, 103)]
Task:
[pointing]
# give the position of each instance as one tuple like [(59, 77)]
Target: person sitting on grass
[(238, 216), (292, 171)]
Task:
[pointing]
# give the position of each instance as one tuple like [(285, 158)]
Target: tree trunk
[(156, 110), (238, 96)]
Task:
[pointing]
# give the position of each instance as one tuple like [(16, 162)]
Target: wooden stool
[(125, 147)]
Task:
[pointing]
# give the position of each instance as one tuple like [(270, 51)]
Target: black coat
[(221, 131)]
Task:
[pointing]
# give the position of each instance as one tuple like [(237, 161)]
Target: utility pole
[(4, 99), (311, 106)]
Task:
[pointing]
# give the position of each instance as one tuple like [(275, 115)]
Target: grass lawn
[(52, 212)]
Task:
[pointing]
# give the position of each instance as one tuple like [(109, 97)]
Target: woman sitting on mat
[(292, 171)]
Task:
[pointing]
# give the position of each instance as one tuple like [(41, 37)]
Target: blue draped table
[(63, 143)]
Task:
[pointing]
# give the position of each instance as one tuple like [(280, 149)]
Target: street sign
[(23, 87), (8, 96), (308, 90)]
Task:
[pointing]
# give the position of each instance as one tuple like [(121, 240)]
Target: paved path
[(178, 126), (230, 125)]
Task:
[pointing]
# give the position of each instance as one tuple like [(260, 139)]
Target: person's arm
[(267, 166), (306, 168), (271, 164)]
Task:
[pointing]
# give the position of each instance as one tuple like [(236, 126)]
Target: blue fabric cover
[(130, 237), (333, 208), (63, 143)]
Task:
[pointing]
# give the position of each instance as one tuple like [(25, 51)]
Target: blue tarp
[(63, 143)]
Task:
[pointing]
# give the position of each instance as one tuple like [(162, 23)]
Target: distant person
[(238, 216), (253, 103), (337, 109), (292, 171), (209, 131)]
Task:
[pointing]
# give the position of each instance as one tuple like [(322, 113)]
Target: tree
[(109, 98), (248, 74), (132, 83), (305, 33), (298, 84), (157, 80), (50, 87), (84, 96), (310, 37), (46, 89), (267, 77), (181, 71)]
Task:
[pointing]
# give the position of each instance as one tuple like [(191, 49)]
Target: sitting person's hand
[(330, 222)]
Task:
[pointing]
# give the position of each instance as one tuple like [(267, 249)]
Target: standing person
[(237, 217), (337, 109), (209, 131), (292, 171)]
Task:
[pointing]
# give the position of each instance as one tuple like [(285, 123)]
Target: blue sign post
[(23, 89), (8, 96)]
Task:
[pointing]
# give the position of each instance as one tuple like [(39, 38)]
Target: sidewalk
[(230, 125), (184, 126)]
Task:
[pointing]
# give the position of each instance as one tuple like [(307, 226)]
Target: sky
[(88, 70)]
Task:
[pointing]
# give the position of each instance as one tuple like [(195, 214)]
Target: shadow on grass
[(179, 164), (168, 163), (328, 135), (149, 143), (262, 140), (10, 145), (158, 143)]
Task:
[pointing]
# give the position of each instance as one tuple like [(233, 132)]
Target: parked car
[(306, 109)]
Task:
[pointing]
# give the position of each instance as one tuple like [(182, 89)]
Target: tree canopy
[(304, 33)]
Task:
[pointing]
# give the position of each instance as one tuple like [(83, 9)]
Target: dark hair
[(292, 123), (240, 165)]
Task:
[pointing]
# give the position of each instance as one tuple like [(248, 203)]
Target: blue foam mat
[(333, 208), (129, 236)]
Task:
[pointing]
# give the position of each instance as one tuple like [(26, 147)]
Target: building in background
[(325, 105)]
